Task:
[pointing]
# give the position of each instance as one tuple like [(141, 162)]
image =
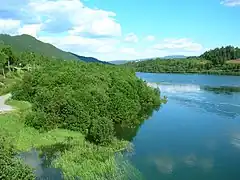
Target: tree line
[(211, 62), (221, 55)]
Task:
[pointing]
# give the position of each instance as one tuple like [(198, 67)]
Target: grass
[(19, 105), (82, 159)]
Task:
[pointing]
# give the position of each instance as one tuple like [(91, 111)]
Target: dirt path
[(3, 106)]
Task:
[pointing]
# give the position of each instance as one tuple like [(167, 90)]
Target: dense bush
[(101, 131), (90, 98), (188, 65), (10, 167)]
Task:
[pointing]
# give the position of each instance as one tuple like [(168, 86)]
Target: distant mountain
[(119, 62), (89, 59), (25, 42), (174, 57), (146, 59), (126, 61)]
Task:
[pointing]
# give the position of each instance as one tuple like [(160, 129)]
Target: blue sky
[(126, 29)]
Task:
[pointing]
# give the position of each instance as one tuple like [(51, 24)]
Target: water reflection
[(236, 140), (222, 89), (196, 134), (222, 109), (128, 133), (192, 95), (190, 160), (206, 163), (164, 164), (41, 160), (34, 160)]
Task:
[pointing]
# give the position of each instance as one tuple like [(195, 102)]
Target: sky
[(126, 29)]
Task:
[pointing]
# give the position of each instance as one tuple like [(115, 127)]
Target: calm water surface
[(196, 135)]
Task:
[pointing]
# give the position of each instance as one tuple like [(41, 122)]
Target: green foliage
[(8, 83), (210, 62), (101, 131), (12, 168), (85, 97), (83, 159), (221, 55), (3, 61), (188, 65)]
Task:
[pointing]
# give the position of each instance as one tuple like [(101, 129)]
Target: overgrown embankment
[(78, 104)]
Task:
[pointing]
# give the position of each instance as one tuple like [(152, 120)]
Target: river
[(196, 135)]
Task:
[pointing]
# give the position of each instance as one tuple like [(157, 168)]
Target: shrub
[(89, 98), (11, 167), (101, 131)]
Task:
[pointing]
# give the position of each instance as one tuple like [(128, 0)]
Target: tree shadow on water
[(128, 133)]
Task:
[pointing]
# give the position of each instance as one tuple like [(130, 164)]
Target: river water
[(196, 135)]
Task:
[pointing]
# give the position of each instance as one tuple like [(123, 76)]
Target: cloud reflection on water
[(167, 164), (236, 140), (164, 164), (200, 98)]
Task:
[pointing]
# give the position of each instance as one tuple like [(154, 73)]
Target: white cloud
[(67, 24), (231, 2), (182, 44), (106, 49), (73, 16), (31, 29), (9, 26), (131, 37), (81, 44), (150, 38), (130, 51)]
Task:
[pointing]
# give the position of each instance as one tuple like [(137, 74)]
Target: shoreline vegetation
[(70, 108), (220, 61)]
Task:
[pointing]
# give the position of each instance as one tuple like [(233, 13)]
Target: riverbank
[(197, 72), (79, 158)]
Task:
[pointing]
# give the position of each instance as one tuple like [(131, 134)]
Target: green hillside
[(221, 61), (24, 42)]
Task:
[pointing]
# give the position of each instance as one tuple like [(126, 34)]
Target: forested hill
[(22, 43), (220, 55), (90, 59), (223, 60)]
